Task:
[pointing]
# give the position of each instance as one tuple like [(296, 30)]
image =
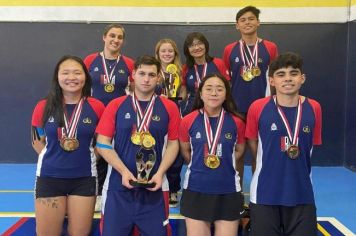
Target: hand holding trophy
[(172, 82)]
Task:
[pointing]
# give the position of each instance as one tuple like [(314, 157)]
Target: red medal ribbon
[(249, 63), (143, 118), (213, 140), (198, 81), (109, 78), (71, 124)]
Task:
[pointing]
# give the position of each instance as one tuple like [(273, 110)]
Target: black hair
[(285, 60), (147, 60), (252, 9), (189, 41)]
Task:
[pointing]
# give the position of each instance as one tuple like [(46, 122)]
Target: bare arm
[(185, 150), (114, 160), (168, 158), (253, 147)]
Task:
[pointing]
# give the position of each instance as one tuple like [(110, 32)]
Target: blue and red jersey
[(53, 161), (278, 179), (190, 80), (121, 76), (245, 92), (199, 177), (119, 122)]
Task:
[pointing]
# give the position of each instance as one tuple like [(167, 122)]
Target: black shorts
[(212, 207), (54, 187), (283, 220)]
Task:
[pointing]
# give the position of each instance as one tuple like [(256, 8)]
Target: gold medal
[(109, 88), (293, 152), (172, 69), (212, 161), (247, 76), (256, 71), (148, 141), (69, 144), (136, 138)]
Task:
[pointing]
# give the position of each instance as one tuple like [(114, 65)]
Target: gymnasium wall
[(30, 47)]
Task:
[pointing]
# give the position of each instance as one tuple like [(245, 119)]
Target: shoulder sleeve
[(241, 127), (226, 55), (107, 121), (184, 74), (253, 116), (174, 118), (185, 125), (317, 140), (271, 48), (37, 114), (222, 68), (89, 59), (97, 106), (130, 65)]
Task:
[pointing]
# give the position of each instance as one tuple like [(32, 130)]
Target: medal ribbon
[(254, 55), (70, 128), (213, 140), (143, 118), (109, 77), (197, 73), (293, 139)]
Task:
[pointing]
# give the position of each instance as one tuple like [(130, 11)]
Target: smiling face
[(71, 77), (213, 93), (166, 53), (287, 81), (113, 41), (197, 49), (247, 24)]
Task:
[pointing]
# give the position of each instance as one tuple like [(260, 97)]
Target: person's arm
[(109, 154), (38, 139), (253, 143), (185, 150), (168, 158)]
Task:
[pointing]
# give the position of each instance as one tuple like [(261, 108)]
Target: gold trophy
[(145, 161), (172, 82)]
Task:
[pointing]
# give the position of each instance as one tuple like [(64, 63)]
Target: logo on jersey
[(191, 77), (259, 60), (121, 71), (156, 118), (237, 59), (51, 119), (87, 120), (96, 69), (127, 116), (228, 136), (273, 127), (306, 129), (198, 135)]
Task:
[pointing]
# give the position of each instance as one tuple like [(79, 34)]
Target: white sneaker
[(98, 204)]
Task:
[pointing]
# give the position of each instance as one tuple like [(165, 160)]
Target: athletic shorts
[(212, 207), (283, 220), (54, 187), (122, 210)]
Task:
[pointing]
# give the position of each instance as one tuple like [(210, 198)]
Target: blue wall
[(29, 52)]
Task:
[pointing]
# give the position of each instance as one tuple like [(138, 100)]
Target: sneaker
[(173, 199), (98, 204)]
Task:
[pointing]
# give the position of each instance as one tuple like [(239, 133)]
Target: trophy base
[(141, 185)]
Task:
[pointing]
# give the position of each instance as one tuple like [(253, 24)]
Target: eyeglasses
[(216, 90), (197, 44)]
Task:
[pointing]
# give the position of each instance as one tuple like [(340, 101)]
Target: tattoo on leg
[(49, 202)]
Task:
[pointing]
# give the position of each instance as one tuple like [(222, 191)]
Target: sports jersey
[(200, 178), (53, 161), (245, 92), (119, 122), (278, 179), (120, 77), (190, 80)]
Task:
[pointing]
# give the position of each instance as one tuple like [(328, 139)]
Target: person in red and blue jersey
[(212, 140), (111, 75), (198, 64), (282, 131), (247, 61), (63, 129), (126, 206)]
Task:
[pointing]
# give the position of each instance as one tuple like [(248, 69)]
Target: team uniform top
[(245, 92), (119, 122), (53, 161), (200, 178), (121, 76), (190, 80), (279, 180)]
